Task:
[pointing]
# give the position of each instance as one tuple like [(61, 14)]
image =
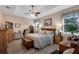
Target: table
[(64, 45)]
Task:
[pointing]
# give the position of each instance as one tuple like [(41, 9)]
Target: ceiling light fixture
[(32, 15)]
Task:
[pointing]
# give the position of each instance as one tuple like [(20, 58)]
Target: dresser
[(9, 35), (64, 46), (6, 37), (3, 42)]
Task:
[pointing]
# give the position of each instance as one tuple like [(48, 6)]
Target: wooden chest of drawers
[(6, 37), (3, 43)]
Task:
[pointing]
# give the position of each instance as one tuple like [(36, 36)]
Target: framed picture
[(48, 22), (8, 25), (17, 25)]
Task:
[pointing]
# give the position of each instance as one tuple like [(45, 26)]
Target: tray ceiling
[(20, 10)]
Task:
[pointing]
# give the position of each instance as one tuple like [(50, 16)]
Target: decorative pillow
[(49, 33), (43, 32)]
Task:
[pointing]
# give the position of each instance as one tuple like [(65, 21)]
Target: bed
[(40, 40)]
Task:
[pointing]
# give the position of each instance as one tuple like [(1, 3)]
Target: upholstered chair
[(69, 51)]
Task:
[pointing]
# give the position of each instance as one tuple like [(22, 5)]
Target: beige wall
[(57, 17), (15, 19)]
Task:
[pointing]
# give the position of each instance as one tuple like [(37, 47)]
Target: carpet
[(16, 47), (56, 52)]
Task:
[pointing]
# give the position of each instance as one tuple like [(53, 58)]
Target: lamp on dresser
[(58, 36)]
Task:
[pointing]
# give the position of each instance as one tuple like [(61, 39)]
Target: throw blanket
[(40, 40)]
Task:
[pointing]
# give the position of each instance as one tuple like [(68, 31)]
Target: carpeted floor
[(16, 47)]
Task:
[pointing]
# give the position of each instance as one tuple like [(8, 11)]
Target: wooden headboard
[(49, 29)]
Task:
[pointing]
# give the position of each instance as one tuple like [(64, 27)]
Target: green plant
[(73, 27)]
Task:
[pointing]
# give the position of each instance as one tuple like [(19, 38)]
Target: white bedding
[(41, 40)]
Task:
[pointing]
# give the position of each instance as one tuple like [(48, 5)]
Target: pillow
[(49, 33), (43, 32)]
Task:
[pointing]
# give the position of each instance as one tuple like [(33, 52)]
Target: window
[(69, 19), (37, 25)]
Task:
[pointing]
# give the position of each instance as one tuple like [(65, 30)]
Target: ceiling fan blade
[(36, 15), (37, 12)]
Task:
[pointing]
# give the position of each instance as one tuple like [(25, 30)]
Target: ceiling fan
[(32, 12)]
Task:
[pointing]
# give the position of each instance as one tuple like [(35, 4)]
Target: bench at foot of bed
[(28, 43)]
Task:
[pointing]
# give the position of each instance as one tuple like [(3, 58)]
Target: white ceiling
[(20, 10)]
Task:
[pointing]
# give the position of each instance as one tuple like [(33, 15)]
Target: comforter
[(40, 40)]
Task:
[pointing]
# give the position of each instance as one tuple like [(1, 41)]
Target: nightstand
[(58, 39)]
